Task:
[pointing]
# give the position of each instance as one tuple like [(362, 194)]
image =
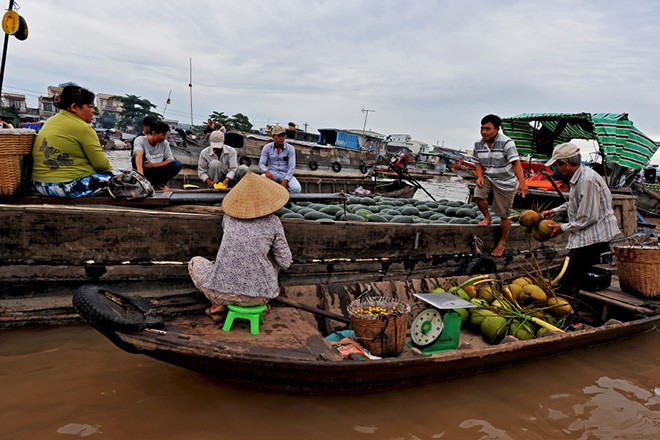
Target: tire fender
[(336, 167), (107, 310), (313, 165)]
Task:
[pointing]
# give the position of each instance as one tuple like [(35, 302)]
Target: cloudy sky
[(430, 69)]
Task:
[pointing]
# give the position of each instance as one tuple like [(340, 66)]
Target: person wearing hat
[(498, 172), (591, 221), (218, 163), (252, 251), (278, 161)]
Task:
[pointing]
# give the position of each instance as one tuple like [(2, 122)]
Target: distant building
[(108, 104)]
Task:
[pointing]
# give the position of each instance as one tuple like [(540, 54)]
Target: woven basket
[(382, 335), (15, 159), (638, 268)]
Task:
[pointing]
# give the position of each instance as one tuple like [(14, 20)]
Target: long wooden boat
[(323, 184), (290, 351), (312, 159)]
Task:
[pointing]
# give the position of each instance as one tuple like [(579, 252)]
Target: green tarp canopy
[(619, 140)]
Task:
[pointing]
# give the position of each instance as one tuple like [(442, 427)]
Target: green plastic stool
[(254, 314)]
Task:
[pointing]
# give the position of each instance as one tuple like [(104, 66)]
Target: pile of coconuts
[(541, 229), (524, 308)]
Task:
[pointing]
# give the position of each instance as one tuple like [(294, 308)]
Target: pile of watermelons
[(387, 210)]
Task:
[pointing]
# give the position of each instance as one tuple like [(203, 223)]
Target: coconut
[(529, 218), (486, 293), (522, 281), (464, 315), (559, 306), (478, 315), (493, 329), (515, 290), (536, 293), (471, 291), (521, 330)]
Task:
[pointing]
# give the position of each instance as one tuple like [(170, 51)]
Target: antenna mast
[(366, 114), (191, 106)]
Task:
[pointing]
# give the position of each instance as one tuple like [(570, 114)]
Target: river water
[(71, 382)]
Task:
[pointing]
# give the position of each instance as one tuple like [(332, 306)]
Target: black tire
[(336, 167), (244, 160), (480, 265), (108, 310), (313, 165), (363, 168)]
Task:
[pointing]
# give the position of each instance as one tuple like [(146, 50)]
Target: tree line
[(135, 109)]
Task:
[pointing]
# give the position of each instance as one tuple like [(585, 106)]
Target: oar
[(310, 309), (554, 184)]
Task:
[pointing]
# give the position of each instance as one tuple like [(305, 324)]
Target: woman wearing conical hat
[(252, 251)]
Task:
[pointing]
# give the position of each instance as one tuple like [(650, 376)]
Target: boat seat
[(254, 314)]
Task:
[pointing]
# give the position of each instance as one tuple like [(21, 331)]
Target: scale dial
[(427, 327)]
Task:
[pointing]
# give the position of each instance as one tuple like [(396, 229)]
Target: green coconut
[(493, 329), (529, 218)]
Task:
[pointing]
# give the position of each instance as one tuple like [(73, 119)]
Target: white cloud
[(429, 68)]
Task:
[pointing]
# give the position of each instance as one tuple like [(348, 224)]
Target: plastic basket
[(383, 335), (15, 159), (638, 268)]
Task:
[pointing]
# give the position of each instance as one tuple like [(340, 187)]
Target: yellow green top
[(67, 148)]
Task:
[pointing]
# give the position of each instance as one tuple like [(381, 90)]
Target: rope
[(477, 242)]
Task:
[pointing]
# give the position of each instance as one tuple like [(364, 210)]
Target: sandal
[(266, 310), (217, 316)]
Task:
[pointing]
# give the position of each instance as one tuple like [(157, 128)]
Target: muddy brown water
[(71, 382)]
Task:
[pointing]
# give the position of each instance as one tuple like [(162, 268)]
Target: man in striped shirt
[(498, 171), (591, 221)]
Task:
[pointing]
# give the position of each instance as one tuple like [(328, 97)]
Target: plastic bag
[(130, 185)]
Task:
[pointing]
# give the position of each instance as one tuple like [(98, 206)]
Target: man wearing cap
[(498, 171), (218, 163), (278, 161), (591, 221)]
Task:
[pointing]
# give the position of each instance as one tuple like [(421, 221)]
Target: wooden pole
[(4, 53)]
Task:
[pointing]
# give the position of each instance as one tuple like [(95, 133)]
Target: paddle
[(554, 184), (310, 309)]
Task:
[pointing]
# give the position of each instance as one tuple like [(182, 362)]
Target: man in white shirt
[(218, 163)]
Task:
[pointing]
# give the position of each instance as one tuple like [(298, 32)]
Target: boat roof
[(618, 138)]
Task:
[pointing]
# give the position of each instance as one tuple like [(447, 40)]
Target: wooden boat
[(648, 200), (290, 351), (324, 185), (313, 159)]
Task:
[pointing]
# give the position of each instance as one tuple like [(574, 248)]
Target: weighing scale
[(437, 328)]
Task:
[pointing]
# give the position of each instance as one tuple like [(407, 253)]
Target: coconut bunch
[(524, 308), (541, 229)]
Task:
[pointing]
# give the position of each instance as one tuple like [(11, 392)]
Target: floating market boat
[(337, 153), (292, 351)]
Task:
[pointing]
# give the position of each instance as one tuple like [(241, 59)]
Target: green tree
[(218, 117), (239, 122), (108, 120), (134, 111)]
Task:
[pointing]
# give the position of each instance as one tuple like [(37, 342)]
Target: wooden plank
[(68, 234), (309, 337)]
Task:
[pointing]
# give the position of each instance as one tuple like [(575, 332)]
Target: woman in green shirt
[(67, 155)]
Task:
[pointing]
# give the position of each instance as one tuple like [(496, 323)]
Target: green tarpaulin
[(619, 140)]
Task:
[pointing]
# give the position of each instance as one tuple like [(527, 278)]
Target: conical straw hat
[(254, 196)]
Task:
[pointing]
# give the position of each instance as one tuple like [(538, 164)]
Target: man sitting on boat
[(153, 157), (498, 171), (278, 161), (252, 251), (218, 163), (591, 221)]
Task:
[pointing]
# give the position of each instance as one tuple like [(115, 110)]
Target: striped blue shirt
[(283, 163), (590, 215), (498, 161)]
